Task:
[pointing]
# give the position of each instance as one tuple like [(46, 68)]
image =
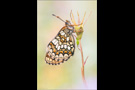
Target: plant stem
[(82, 68)]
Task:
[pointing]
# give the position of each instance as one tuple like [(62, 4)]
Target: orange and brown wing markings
[(54, 50), (50, 61), (47, 58), (47, 55), (59, 35), (61, 52), (65, 51), (50, 43), (63, 28), (57, 52), (65, 39), (53, 47), (62, 37), (61, 40), (69, 52)]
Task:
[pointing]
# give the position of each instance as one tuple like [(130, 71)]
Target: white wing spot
[(53, 40), (67, 43), (60, 57), (63, 39), (65, 35), (65, 46), (62, 33), (60, 43), (67, 38), (51, 50), (50, 59), (49, 46), (57, 45), (71, 43), (61, 46), (53, 55), (72, 49), (58, 48), (68, 47), (56, 57), (71, 46), (47, 59), (65, 57), (57, 37)]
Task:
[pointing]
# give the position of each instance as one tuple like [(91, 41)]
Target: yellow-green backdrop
[(68, 74)]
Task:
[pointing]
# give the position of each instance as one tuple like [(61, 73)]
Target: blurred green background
[(68, 74)]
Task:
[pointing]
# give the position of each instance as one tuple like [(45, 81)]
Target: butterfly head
[(67, 22), (69, 26)]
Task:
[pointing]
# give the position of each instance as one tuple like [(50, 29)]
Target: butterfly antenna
[(58, 17)]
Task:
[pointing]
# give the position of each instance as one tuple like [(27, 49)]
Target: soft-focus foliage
[(68, 74)]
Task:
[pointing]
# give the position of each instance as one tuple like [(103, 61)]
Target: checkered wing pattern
[(61, 48)]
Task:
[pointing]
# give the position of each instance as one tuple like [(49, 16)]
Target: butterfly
[(62, 47)]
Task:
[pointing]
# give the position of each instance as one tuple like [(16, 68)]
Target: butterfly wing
[(61, 48)]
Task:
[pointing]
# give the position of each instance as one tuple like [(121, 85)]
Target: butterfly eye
[(71, 31), (67, 22)]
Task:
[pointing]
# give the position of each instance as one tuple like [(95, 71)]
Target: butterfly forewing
[(61, 48)]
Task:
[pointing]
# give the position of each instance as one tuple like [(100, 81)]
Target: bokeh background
[(68, 74)]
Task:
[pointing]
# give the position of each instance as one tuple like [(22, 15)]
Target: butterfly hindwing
[(61, 48)]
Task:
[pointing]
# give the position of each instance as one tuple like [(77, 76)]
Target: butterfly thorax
[(69, 28)]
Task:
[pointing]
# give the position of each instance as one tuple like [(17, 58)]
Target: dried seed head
[(78, 27)]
